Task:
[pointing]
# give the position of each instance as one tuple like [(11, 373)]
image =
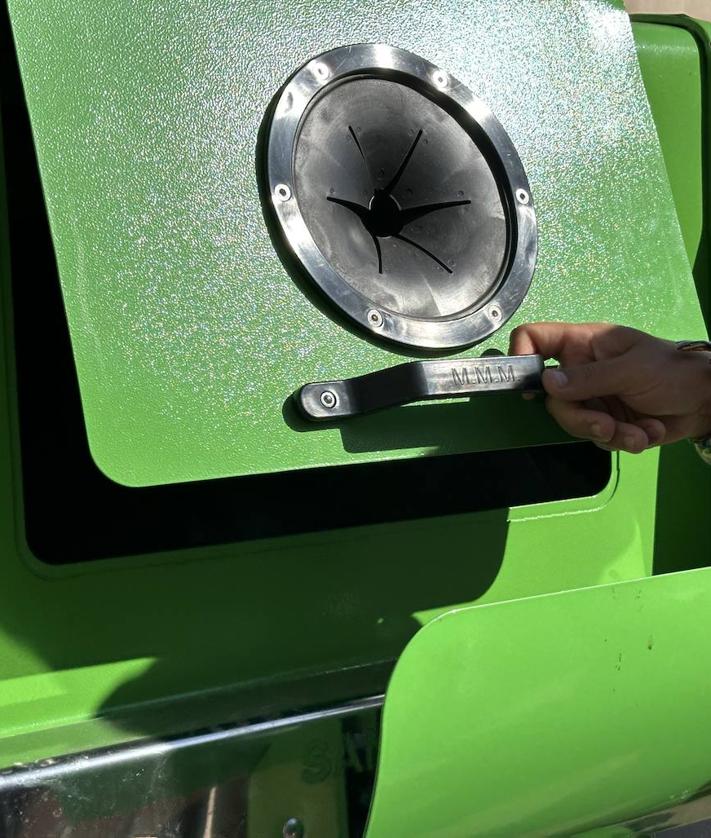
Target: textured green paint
[(702, 264), (154, 644), (549, 715), (158, 644), (188, 333), (669, 61)]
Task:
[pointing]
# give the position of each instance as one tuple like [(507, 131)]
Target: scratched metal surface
[(187, 330)]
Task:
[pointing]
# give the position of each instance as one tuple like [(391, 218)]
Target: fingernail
[(596, 430), (604, 447), (630, 442), (559, 378)]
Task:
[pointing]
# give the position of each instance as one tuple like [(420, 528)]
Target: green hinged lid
[(190, 335)]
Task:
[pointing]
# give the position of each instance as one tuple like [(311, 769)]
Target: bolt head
[(375, 318), (329, 399), (322, 72), (282, 192), (293, 828), (440, 78)]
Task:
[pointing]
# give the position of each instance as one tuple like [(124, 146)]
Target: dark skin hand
[(619, 387)]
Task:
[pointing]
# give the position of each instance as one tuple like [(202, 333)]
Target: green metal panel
[(671, 70), (149, 645), (674, 60), (154, 644), (550, 715), (188, 333)]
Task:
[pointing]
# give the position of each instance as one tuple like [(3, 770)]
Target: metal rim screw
[(375, 318), (522, 196), (440, 78), (494, 313), (322, 72), (328, 399), (282, 192)]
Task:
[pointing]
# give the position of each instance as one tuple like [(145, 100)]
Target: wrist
[(701, 426), (702, 431)]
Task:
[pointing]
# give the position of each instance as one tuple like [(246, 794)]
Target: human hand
[(619, 387)]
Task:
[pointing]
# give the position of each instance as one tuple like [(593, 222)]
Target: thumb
[(588, 381)]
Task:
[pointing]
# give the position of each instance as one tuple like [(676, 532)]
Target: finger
[(521, 341), (676, 427), (629, 437), (589, 381), (581, 421), (654, 428), (599, 427), (616, 408), (611, 405), (551, 340)]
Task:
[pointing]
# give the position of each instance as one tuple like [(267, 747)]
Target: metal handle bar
[(417, 381)]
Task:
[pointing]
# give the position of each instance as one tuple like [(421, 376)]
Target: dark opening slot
[(73, 513)]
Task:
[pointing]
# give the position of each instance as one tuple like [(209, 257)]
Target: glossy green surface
[(188, 333), (675, 61), (557, 714), (148, 645), (157, 644), (550, 715)]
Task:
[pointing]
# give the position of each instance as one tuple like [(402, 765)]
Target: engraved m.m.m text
[(485, 375)]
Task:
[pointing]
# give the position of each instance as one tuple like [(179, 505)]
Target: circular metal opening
[(408, 204), (399, 199)]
